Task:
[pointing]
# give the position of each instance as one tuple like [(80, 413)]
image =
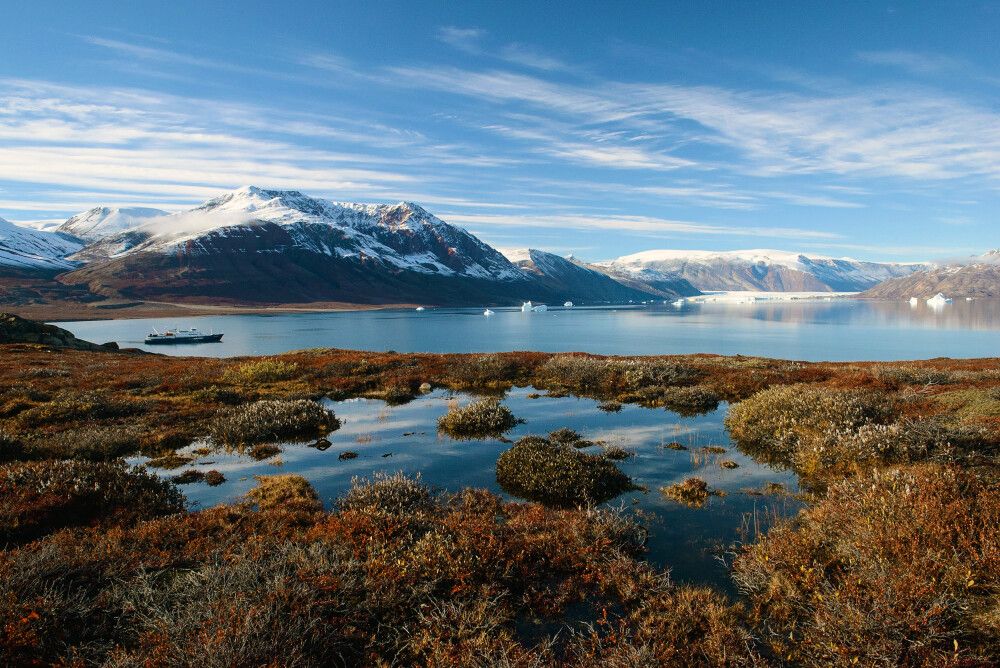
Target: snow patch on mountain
[(104, 221), (26, 248), (402, 236), (760, 268)]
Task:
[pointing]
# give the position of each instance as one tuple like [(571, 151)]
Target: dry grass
[(898, 567), (693, 492), (287, 492)]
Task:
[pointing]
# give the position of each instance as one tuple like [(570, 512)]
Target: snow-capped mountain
[(569, 279), (27, 249), (768, 270), (978, 276), (103, 221), (270, 245)]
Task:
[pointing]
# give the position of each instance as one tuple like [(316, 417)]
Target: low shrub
[(569, 437), (37, 498), (609, 406), (170, 460), (480, 419), (386, 493), (264, 370), (613, 375), (688, 401), (479, 371), (69, 407), (271, 420), (673, 626), (693, 492), (898, 567), (816, 430), (617, 453), (263, 451), (558, 474), (287, 492), (213, 478), (90, 442), (189, 476)]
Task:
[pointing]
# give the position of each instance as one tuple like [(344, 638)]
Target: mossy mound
[(558, 474), (480, 419)]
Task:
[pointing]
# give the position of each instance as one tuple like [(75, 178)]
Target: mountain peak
[(104, 221)]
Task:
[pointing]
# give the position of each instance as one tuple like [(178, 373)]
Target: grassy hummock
[(480, 419), (693, 492), (558, 474), (272, 420)]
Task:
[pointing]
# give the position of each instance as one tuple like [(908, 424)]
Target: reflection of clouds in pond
[(681, 538)]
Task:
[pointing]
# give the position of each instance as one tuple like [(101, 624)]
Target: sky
[(861, 129)]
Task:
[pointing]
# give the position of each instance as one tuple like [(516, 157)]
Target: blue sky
[(861, 129)]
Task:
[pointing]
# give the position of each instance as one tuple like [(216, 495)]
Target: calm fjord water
[(838, 330)]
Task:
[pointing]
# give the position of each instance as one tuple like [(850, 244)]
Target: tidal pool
[(405, 438)]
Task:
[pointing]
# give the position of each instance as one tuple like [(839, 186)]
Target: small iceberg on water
[(526, 307), (488, 313), (679, 303), (541, 308), (914, 301), (420, 308), (568, 304), (938, 300)]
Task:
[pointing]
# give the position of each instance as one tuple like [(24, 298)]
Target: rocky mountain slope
[(566, 276), (765, 270), (282, 246), (977, 277)]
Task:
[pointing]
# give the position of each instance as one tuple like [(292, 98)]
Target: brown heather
[(895, 561)]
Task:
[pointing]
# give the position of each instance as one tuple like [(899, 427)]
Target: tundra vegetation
[(557, 473), (895, 561), (480, 419)]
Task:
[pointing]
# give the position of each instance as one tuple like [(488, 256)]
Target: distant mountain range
[(974, 277), (758, 270), (259, 246)]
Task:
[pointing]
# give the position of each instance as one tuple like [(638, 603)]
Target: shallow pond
[(405, 438)]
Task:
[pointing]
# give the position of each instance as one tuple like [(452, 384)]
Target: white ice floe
[(488, 313), (568, 304), (938, 300), (541, 308), (421, 308), (526, 307)]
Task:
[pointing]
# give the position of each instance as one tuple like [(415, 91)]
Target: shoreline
[(72, 312)]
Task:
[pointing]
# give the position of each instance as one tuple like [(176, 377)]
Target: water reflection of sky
[(838, 330), (686, 540)]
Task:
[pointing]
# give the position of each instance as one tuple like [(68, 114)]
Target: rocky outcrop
[(14, 329)]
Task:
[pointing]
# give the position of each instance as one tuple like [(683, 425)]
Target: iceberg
[(541, 308), (679, 303), (914, 301), (488, 312), (526, 307), (421, 308), (938, 300), (568, 304)]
